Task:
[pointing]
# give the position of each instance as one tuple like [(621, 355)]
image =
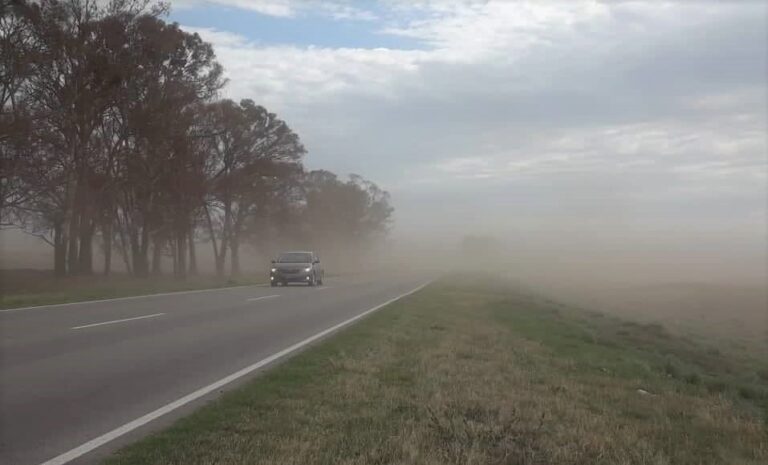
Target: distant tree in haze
[(16, 52), (110, 129), (251, 150), (378, 210), (73, 79), (345, 213), (276, 222), (160, 172), (67, 87)]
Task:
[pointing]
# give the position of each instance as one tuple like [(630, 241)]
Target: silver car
[(296, 267)]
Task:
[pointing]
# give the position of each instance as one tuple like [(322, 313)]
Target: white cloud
[(286, 76), (289, 8), (279, 8), (221, 39), (726, 148), (477, 31), (653, 108)]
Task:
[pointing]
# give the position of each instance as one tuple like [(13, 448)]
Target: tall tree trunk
[(235, 252), (157, 255), (59, 250), (69, 226), (181, 253), (221, 258), (217, 260), (106, 236), (139, 249), (225, 239), (174, 260), (72, 247), (135, 252), (85, 257), (192, 253), (144, 252), (124, 246)]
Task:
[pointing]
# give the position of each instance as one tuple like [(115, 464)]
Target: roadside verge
[(480, 373), (66, 291)]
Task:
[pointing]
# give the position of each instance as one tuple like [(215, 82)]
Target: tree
[(176, 72), (72, 83), (17, 50), (251, 149), (344, 214), (109, 126)]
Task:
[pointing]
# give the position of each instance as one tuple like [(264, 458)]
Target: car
[(296, 267)]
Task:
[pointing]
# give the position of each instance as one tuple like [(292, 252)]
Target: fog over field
[(599, 144), (533, 231)]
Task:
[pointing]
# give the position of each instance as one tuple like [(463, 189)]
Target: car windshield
[(295, 257)]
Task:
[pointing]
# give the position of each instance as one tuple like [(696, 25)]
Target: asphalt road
[(73, 373)]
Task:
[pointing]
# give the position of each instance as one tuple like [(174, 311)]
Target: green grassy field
[(27, 288), (477, 373)]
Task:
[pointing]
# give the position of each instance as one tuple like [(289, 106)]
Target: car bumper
[(291, 278)]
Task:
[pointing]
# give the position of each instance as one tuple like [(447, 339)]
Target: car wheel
[(273, 284), (312, 282)]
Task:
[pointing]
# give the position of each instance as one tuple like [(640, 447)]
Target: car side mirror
[(274, 261), (317, 260)]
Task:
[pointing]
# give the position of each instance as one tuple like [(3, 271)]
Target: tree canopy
[(112, 132)]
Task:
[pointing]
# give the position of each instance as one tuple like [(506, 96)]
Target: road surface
[(76, 373)]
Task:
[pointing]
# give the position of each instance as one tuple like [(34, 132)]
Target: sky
[(614, 128)]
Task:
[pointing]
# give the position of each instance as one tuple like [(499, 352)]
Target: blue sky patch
[(302, 30)]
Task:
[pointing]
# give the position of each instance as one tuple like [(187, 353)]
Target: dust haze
[(567, 149)]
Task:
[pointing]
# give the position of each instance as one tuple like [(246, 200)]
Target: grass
[(26, 288), (476, 373), (730, 316)]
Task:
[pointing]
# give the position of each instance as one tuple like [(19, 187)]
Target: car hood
[(290, 266)]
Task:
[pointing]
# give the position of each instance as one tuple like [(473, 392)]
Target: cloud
[(223, 40), (534, 109), (278, 8), (479, 31), (342, 10)]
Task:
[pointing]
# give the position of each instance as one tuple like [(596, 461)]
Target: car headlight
[(307, 270), (274, 270)]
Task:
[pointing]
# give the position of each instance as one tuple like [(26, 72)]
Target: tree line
[(113, 135)]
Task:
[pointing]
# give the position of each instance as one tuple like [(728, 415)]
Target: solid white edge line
[(141, 421), (114, 322), (133, 297), (265, 297)]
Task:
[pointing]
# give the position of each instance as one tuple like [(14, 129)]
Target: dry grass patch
[(479, 374), (22, 288)]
